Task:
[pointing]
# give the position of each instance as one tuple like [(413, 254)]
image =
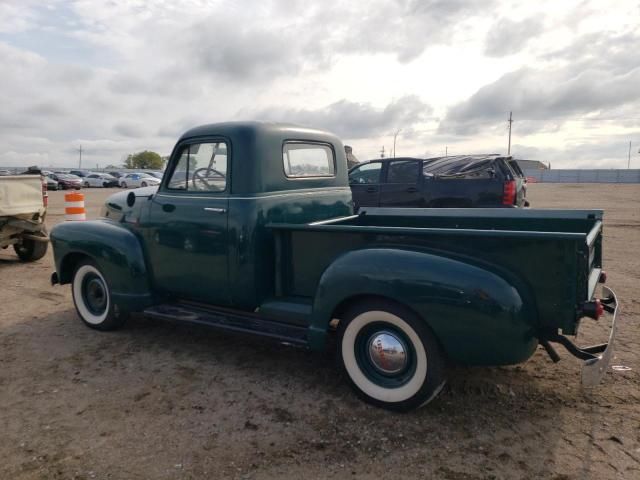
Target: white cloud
[(120, 76)]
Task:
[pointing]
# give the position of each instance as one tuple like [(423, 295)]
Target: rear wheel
[(143, 184), (390, 356), (30, 250), (92, 298)]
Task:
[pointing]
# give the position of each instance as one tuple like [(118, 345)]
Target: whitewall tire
[(92, 298), (390, 356)]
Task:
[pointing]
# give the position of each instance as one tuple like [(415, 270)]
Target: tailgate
[(20, 195)]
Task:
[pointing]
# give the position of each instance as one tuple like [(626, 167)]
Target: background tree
[(144, 160)]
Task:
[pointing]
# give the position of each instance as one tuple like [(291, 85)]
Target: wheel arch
[(68, 265), (342, 308)]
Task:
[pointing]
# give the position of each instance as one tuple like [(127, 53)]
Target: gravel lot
[(158, 400)]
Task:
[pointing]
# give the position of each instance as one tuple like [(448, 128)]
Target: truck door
[(186, 234), (365, 184), (403, 185)]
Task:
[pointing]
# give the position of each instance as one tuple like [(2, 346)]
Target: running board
[(231, 321)]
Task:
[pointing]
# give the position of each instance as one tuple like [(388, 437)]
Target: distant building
[(352, 161), (532, 164)]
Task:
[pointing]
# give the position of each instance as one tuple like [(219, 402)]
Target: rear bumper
[(596, 357), (594, 368)]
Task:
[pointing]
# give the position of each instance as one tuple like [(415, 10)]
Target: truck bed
[(554, 254)]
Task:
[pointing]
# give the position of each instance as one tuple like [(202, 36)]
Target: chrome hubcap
[(387, 353), (95, 295)]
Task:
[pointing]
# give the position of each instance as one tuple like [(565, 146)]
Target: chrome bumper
[(594, 368), (596, 357)]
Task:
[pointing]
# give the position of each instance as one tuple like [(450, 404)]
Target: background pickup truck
[(462, 181), (252, 231), (22, 211)]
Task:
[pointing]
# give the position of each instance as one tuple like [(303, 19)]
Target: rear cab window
[(308, 160)]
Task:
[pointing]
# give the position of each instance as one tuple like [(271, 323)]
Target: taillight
[(509, 192), (593, 309), (45, 195)]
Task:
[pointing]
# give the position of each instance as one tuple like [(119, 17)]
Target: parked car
[(80, 173), (155, 173), (52, 183), (459, 181), (260, 239), (23, 207), (67, 181), (138, 179), (5, 173), (100, 180)]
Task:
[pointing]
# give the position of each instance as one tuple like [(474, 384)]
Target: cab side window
[(201, 167)]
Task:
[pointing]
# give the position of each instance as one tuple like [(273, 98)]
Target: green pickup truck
[(252, 231)]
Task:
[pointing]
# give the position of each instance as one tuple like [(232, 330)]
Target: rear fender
[(478, 317), (115, 249)]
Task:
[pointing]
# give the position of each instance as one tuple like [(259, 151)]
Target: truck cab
[(204, 229)]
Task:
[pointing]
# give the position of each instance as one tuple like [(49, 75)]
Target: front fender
[(478, 317), (114, 248)]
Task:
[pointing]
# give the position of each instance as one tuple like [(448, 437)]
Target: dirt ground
[(167, 401)]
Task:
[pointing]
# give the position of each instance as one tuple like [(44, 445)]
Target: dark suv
[(455, 182)]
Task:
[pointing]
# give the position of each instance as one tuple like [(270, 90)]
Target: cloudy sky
[(118, 76)]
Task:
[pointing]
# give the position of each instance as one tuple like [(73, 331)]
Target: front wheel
[(123, 184), (390, 356), (92, 298), (143, 184), (86, 185)]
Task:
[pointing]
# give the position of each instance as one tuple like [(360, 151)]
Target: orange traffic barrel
[(74, 206)]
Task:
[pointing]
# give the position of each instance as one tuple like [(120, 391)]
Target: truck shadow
[(492, 418)]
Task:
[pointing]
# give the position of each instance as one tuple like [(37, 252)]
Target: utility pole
[(80, 162), (395, 135), (510, 122), (629, 159), (382, 152), (446, 150)]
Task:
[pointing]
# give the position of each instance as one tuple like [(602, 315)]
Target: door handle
[(372, 189), (168, 207), (412, 189), (215, 210)]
